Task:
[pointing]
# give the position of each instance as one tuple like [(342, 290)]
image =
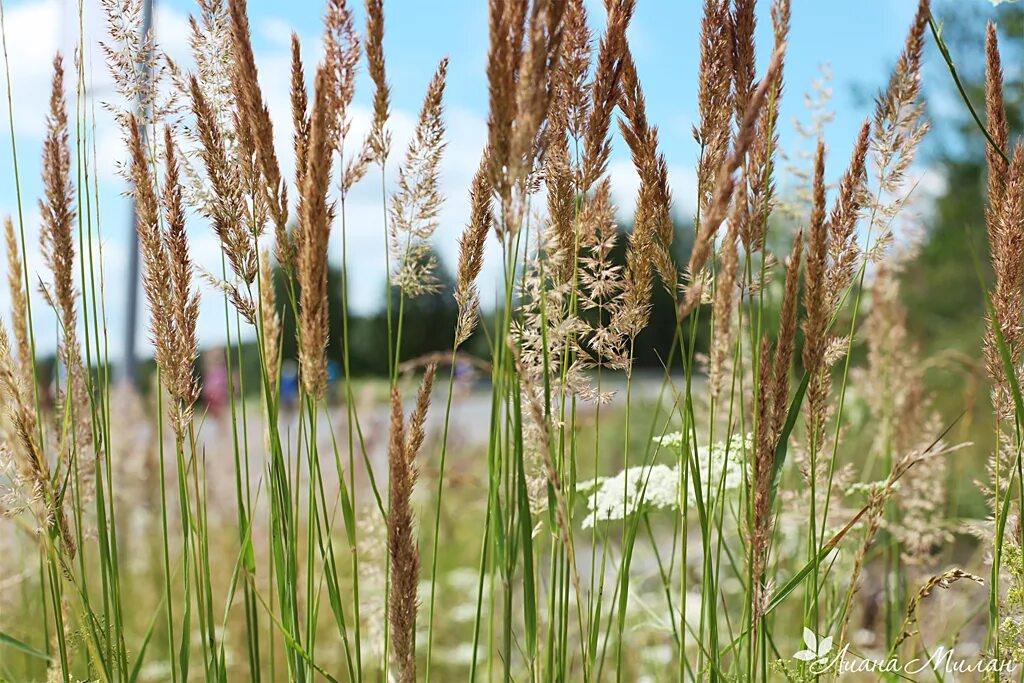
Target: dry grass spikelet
[(315, 217), (19, 304), (1007, 249), (417, 202), (561, 198), (505, 23), (184, 298), (271, 320), (943, 580), (724, 305), (842, 221), (574, 69), (380, 138), (818, 309), (723, 190), (403, 548), (744, 21), (58, 245), (604, 92), (787, 336), (341, 59), (898, 128), (761, 163), (471, 253), (536, 87), (167, 275), (995, 110), (761, 475), (227, 207), (254, 115), (33, 468), (714, 98), (654, 203)]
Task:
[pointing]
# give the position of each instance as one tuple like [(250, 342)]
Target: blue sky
[(859, 40)]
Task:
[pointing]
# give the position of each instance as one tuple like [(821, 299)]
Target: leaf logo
[(817, 650)]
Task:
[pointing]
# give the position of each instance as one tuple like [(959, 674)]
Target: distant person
[(215, 383), (289, 384)]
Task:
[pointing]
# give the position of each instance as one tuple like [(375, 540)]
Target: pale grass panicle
[(416, 204)]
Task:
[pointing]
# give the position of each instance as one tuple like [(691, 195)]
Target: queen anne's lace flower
[(656, 487)]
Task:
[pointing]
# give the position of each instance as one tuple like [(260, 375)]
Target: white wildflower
[(633, 490)]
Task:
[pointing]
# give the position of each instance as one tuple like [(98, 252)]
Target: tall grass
[(784, 492)]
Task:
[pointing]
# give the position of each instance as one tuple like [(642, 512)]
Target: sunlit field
[(747, 442)]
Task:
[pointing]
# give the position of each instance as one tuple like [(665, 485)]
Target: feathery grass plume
[(536, 87), (604, 93), (58, 244), (574, 68), (134, 62), (724, 304), (341, 59), (601, 281), (842, 222), (505, 26), (157, 270), (19, 304), (342, 48), (818, 309), (403, 448), (714, 99), (270, 318), (772, 408), (416, 434), (898, 128), (315, 217), (566, 121), (523, 79), (547, 329), (761, 164), (635, 312), (184, 298), (561, 194), (227, 206), (417, 202), (404, 558), (167, 276), (744, 21), (284, 247), (471, 252), (649, 224), (33, 468), (654, 203), (1003, 227), (995, 110), (723, 189), (253, 113), (1007, 249), (787, 334), (380, 137), (761, 481)]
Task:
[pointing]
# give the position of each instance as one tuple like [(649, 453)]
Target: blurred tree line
[(429, 321)]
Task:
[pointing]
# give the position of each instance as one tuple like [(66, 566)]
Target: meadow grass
[(743, 514)]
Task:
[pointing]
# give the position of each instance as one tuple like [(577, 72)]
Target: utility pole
[(129, 369)]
